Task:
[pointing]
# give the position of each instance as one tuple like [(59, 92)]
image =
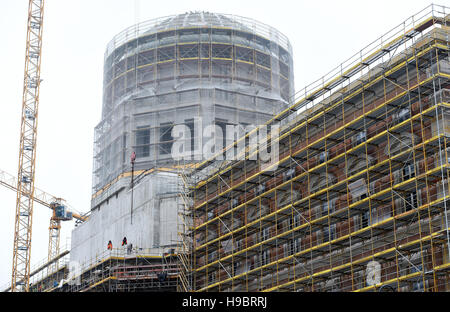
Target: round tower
[(222, 69)]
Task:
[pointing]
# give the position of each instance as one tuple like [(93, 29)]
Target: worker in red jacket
[(109, 245)]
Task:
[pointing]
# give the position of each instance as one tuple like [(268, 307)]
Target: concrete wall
[(152, 224)]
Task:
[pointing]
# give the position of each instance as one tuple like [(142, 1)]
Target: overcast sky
[(322, 33)]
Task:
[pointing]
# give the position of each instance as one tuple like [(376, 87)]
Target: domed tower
[(214, 68), (219, 68)]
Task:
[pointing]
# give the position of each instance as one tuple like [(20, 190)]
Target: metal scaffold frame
[(361, 181), (176, 69), (123, 270), (184, 225), (44, 273)]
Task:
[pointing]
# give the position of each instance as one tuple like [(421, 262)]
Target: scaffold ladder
[(184, 226)]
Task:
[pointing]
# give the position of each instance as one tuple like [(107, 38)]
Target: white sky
[(323, 34)]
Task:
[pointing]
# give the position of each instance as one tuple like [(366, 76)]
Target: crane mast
[(54, 233), (27, 151), (59, 213)]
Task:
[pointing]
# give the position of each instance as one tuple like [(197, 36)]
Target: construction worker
[(109, 245), (124, 241)]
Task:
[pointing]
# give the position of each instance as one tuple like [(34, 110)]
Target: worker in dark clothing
[(109, 245), (124, 241)]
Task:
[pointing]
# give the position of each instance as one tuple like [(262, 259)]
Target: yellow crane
[(27, 152), (60, 212)]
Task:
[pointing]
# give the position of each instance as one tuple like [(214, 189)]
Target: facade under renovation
[(359, 199), (194, 69)]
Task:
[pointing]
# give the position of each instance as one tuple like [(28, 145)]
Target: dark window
[(326, 234), (291, 247), (143, 142), (251, 264), (323, 157), (289, 223), (360, 137), (329, 233), (265, 257), (298, 244), (411, 201), (265, 234), (365, 220), (408, 172), (324, 208), (297, 221), (142, 151)]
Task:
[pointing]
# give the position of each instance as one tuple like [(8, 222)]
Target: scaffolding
[(121, 270), (44, 274), (195, 69), (184, 226), (218, 68), (358, 200)]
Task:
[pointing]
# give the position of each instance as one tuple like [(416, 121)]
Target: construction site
[(358, 199), (355, 201)]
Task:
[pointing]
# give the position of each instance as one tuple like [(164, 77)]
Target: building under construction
[(117, 270), (194, 69), (358, 200)]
